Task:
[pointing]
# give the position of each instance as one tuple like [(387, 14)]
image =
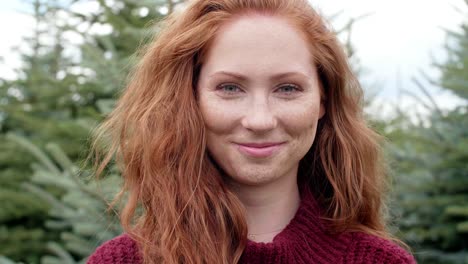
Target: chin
[(253, 177)]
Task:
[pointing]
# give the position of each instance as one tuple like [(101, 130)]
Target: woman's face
[(260, 99)]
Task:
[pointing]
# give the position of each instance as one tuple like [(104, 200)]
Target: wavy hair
[(177, 206)]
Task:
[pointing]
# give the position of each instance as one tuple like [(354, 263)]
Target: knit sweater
[(304, 240)]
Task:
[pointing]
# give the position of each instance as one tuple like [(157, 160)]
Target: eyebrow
[(278, 76)]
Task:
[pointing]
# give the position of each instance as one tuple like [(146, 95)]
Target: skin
[(258, 85)]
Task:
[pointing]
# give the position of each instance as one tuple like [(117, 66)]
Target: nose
[(259, 117)]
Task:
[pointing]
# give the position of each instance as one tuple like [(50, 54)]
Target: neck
[(269, 207)]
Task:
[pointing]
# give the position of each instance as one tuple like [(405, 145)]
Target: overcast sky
[(399, 39), (396, 40)]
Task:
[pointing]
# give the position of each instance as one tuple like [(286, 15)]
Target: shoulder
[(119, 250), (366, 248)]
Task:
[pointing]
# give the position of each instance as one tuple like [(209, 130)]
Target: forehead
[(257, 42)]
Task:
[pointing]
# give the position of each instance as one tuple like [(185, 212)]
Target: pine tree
[(55, 101), (29, 104), (78, 215), (432, 166)]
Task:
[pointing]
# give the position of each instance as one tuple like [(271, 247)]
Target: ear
[(323, 99), (322, 108)]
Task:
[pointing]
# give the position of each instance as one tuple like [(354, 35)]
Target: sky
[(394, 42), (399, 39)]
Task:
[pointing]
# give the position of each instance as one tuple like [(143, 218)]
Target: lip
[(259, 150)]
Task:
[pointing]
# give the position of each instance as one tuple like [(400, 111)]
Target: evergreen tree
[(432, 166), (78, 215), (29, 104), (57, 98)]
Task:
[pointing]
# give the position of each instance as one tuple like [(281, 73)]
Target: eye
[(228, 88), (288, 88)]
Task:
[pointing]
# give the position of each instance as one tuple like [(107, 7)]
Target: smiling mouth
[(259, 150)]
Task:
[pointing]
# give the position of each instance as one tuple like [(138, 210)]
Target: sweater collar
[(303, 240)]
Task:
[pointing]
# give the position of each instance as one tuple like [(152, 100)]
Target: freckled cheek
[(301, 121), (219, 118), (301, 126)]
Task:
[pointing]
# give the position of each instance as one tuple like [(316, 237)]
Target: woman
[(242, 140)]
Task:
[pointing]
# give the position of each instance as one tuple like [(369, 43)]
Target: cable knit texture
[(304, 240)]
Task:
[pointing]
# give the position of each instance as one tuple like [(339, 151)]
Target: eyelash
[(222, 87)]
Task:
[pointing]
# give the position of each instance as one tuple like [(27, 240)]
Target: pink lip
[(259, 150)]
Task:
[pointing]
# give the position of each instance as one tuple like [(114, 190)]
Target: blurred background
[(64, 62)]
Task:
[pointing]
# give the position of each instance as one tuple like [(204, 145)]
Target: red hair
[(177, 207)]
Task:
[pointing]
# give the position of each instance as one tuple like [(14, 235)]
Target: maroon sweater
[(304, 240)]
